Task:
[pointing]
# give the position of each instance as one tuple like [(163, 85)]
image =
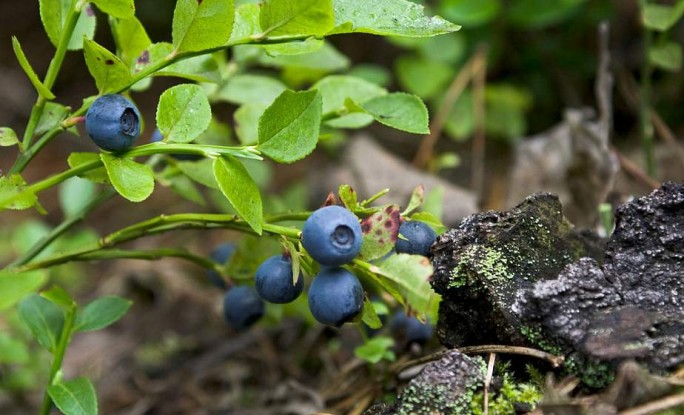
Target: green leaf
[(199, 25), (59, 297), (74, 193), (666, 55), (470, 13), (399, 110), (348, 197), (302, 17), (183, 113), (53, 114), (101, 313), (246, 21), (376, 349), (423, 77), (240, 189), (249, 88), (131, 38), (541, 13), (411, 273), (14, 188), (387, 17), (133, 181), (13, 351), (15, 286), (417, 197), (26, 66), (380, 231), (53, 14), (75, 397), (434, 202), (247, 122), (109, 72), (98, 175), (370, 317), (661, 17), (200, 171), (43, 318), (203, 68), (174, 178), (8, 137), (122, 9), (289, 128), (335, 89)]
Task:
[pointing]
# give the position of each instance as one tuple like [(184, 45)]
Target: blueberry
[(273, 280), (113, 122), (335, 296), (220, 255), (332, 236), (157, 137), (419, 238), (417, 332), (242, 307), (410, 328)]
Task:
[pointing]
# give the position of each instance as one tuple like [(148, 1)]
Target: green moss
[(502, 402), (536, 337), (488, 262)]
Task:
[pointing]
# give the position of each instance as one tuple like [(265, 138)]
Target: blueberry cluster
[(332, 237)]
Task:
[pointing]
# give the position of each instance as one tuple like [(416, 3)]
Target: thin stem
[(63, 227), (154, 226), (64, 340), (54, 68)]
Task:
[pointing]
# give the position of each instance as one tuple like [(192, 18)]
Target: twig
[(555, 361), (488, 381), (668, 402), (456, 88)]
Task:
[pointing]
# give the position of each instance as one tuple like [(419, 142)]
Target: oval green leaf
[(15, 286), (301, 17), (75, 397), (183, 113), (109, 72), (387, 18), (399, 110), (101, 313), (53, 14), (203, 24), (133, 181), (240, 189), (289, 128), (43, 318), (122, 9)]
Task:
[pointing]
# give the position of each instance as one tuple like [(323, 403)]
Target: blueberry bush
[(216, 50)]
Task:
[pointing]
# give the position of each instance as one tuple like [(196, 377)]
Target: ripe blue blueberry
[(113, 122), (419, 238), (273, 280), (335, 296), (410, 328), (242, 307), (220, 255), (332, 236)]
